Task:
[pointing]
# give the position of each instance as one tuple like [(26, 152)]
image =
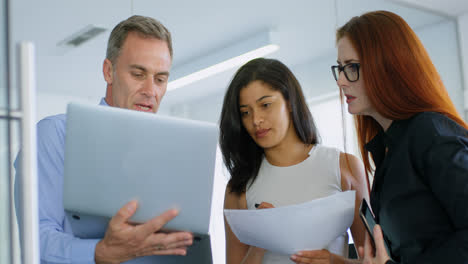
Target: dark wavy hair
[(241, 154)]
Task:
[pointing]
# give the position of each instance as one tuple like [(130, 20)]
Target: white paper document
[(289, 229)]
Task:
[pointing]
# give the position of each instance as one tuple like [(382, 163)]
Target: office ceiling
[(445, 7), (305, 32)]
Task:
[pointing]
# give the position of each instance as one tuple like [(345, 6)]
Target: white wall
[(463, 44), (52, 104), (218, 242), (4, 194), (315, 76), (441, 42), (329, 120)]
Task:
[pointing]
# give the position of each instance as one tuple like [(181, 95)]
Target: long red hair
[(398, 74)]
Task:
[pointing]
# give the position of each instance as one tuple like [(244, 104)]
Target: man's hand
[(124, 241)]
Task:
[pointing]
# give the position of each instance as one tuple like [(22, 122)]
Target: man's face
[(138, 79)]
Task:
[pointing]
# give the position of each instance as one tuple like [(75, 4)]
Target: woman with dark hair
[(418, 142), (271, 148)]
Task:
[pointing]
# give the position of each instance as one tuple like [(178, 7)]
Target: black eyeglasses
[(351, 71)]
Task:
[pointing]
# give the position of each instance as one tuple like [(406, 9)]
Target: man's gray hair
[(146, 27)]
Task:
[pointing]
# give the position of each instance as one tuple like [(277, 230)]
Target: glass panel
[(4, 193), (3, 54), (15, 136)]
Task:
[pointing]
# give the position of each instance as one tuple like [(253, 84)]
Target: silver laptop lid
[(115, 155)]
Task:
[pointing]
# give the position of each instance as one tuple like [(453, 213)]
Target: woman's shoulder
[(428, 130), (323, 150), (233, 200), (352, 170), (323, 156), (349, 162), (433, 123)]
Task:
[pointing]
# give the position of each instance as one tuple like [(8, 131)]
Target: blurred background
[(304, 30), (203, 32)]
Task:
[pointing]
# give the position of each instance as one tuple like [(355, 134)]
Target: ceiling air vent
[(83, 35)]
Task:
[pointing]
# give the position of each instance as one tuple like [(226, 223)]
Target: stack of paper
[(289, 229)]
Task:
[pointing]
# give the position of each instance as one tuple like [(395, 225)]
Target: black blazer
[(420, 189)]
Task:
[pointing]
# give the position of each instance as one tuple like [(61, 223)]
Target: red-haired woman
[(418, 142)]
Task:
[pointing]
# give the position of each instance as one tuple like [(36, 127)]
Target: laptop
[(115, 155)]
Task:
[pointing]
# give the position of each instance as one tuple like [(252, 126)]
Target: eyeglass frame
[(341, 69)]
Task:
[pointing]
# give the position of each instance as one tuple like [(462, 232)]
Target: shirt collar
[(385, 139), (395, 132), (390, 137), (377, 147), (103, 102)]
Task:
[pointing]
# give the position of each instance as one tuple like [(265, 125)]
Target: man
[(136, 69)]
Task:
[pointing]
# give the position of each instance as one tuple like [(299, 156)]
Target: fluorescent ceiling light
[(222, 60), (78, 38), (223, 66)]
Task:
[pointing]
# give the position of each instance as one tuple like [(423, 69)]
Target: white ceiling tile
[(305, 31)]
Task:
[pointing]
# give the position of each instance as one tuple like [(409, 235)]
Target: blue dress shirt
[(63, 239)]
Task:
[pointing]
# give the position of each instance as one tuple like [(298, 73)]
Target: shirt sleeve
[(446, 172), (56, 245)]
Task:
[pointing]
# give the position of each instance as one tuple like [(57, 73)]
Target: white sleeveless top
[(317, 176)]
